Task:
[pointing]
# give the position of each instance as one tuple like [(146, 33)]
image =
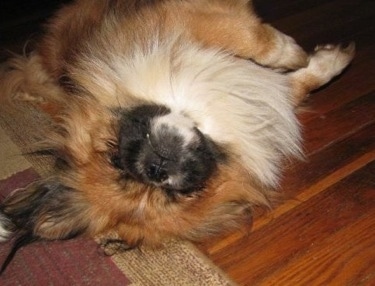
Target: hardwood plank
[(341, 213), (317, 167), (334, 126), (330, 21), (273, 10), (344, 258)]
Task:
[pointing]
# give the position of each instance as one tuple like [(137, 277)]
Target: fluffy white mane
[(232, 100)]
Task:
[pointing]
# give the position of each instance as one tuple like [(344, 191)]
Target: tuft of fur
[(102, 59), (5, 227)]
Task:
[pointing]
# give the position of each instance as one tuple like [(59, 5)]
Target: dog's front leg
[(325, 63)]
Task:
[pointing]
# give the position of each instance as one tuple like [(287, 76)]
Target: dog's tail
[(21, 241), (325, 63), (45, 210)]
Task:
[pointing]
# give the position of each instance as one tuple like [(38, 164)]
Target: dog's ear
[(43, 210)]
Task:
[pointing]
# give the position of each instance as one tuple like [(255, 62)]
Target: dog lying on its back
[(172, 118)]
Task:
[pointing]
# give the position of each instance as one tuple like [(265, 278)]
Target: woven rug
[(80, 261)]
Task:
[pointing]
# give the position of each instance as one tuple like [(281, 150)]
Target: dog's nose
[(157, 173)]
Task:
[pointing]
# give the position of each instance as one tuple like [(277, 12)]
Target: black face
[(175, 156)]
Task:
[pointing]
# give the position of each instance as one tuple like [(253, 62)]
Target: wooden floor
[(325, 233)]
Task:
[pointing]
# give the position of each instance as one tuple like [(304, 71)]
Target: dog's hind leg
[(325, 63), (238, 30)]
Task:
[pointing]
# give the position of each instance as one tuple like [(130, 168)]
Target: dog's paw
[(113, 246), (293, 57), (287, 54), (280, 51), (328, 61)]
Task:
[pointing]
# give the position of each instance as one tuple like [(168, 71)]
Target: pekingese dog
[(172, 118)]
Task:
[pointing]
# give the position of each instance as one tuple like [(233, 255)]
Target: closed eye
[(116, 161)]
